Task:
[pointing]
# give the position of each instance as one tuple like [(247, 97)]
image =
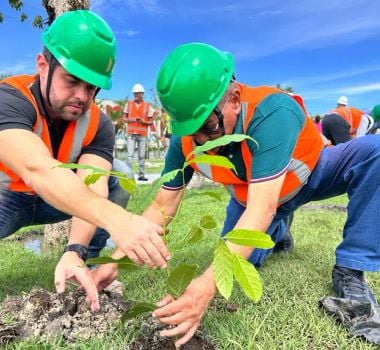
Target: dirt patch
[(46, 315), (150, 339)]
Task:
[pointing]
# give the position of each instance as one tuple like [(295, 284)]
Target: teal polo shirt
[(276, 125)]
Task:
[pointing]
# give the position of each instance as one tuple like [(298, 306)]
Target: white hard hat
[(138, 88), (343, 100)]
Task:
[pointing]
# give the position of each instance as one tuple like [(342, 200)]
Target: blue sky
[(322, 48)]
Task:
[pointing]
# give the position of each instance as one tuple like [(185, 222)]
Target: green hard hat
[(84, 44), (375, 114), (190, 84)]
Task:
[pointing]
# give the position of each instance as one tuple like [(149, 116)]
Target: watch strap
[(80, 249)]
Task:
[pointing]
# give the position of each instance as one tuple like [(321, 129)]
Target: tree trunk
[(55, 8)]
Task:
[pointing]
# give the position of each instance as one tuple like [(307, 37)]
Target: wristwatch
[(80, 249)]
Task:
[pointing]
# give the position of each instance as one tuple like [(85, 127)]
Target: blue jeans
[(19, 209), (352, 168), (140, 140)]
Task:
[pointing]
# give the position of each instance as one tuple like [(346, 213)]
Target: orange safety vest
[(304, 158), (140, 110), (78, 133), (351, 115)]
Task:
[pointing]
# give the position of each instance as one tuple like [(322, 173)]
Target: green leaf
[(123, 263), (92, 178), (250, 238), (195, 234), (212, 194), (207, 222), (180, 278), (83, 166), (223, 269), (146, 199), (128, 184), (167, 177), (247, 277), (136, 310), (221, 141), (212, 160)]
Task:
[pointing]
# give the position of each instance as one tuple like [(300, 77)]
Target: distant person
[(318, 123), (375, 114), (50, 118), (165, 128), (139, 116), (344, 123), (342, 101)]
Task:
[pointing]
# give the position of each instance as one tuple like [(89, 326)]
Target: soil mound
[(46, 315)]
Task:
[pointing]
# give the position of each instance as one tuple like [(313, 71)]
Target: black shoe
[(286, 245), (350, 284), (142, 178)]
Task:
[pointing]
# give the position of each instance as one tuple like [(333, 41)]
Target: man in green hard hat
[(286, 166), (375, 114), (51, 118)]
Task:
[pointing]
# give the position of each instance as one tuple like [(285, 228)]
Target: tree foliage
[(53, 9), (287, 88)]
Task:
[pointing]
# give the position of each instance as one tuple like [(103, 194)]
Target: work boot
[(286, 244), (350, 284)]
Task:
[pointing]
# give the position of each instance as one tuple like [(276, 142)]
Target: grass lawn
[(152, 166), (287, 316)]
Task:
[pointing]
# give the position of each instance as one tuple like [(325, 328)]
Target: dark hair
[(49, 57), (317, 118)]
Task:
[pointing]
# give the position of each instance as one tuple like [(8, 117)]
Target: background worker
[(344, 123), (375, 114), (139, 116), (165, 128)]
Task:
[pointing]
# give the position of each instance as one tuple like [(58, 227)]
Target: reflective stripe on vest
[(141, 111), (304, 158), (78, 134)]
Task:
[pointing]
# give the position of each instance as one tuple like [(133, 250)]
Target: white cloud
[(361, 89), (329, 77), (128, 32), (17, 68)]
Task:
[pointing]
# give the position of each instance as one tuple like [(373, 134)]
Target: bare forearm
[(65, 191), (81, 232), (252, 220)]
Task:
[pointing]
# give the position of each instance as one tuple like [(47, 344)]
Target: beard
[(70, 110)]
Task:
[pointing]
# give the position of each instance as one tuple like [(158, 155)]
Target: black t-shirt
[(336, 129), (17, 112)]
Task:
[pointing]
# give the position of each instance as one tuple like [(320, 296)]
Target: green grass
[(287, 316), (152, 166)]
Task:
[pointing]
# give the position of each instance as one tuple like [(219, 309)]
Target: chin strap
[(220, 116), (52, 65)]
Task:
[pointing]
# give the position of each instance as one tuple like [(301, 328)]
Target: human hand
[(71, 266), (163, 140), (142, 242), (186, 312), (104, 275)]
